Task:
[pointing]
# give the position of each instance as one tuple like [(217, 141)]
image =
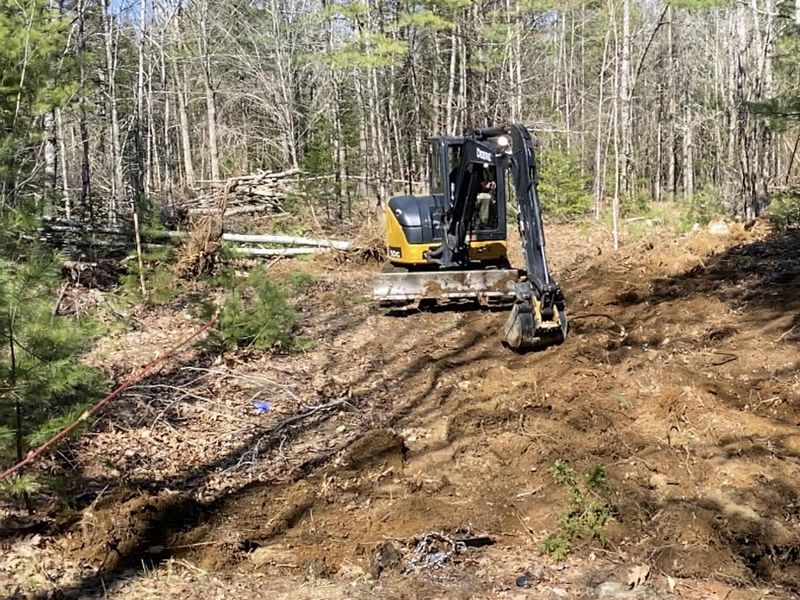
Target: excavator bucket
[(528, 329), (494, 286)]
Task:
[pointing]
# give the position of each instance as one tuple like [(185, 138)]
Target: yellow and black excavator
[(452, 243)]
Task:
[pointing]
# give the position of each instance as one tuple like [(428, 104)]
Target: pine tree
[(32, 41), (43, 386)]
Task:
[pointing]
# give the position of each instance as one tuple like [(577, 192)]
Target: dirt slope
[(679, 377)]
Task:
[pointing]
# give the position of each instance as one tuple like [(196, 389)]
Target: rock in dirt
[(274, 554), (317, 568), (638, 575), (620, 591), (528, 578), (379, 446), (386, 557), (720, 228)]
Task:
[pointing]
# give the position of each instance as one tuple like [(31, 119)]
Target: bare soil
[(679, 376)]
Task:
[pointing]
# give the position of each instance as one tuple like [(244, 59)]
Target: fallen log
[(286, 239), (280, 251)]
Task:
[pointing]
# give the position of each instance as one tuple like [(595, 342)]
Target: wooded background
[(111, 105)]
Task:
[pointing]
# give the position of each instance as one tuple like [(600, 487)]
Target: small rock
[(720, 228), (524, 581), (560, 592), (341, 429), (530, 576), (638, 575), (612, 589), (620, 591), (385, 557), (316, 568)]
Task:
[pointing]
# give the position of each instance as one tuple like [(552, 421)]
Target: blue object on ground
[(262, 407)]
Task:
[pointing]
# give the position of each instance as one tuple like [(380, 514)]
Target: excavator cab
[(451, 244), (413, 223)]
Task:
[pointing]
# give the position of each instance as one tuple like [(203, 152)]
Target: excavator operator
[(486, 202)]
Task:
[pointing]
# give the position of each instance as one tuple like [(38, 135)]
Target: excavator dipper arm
[(538, 317)]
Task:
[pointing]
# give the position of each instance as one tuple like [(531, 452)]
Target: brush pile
[(257, 192)]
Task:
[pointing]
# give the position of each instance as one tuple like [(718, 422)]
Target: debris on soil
[(701, 453), (433, 550), (200, 251), (638, 575), (102, 274), (117, 533), (387, 557)]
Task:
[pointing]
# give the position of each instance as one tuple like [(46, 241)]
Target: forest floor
[(679, 378)]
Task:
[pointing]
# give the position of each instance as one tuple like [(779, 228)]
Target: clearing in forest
[(654, 454)]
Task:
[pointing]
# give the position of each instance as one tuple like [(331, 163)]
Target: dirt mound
[(123, 530)]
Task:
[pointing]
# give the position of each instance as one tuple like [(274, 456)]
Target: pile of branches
[(258, 192), (200, 251)]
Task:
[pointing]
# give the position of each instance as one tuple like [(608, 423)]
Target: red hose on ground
[(34, 454)]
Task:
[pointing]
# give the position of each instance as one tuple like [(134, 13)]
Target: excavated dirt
[(400, 442)]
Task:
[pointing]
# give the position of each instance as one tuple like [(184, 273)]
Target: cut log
[(285, 239), (280, 251)]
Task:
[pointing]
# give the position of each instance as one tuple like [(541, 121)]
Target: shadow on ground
[(135, 523)]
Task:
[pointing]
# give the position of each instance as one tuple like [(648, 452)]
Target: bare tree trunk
[(659, 143), (436, 116), (450, 125), (153, 178), (183, 121), (671, 91), (50, 154), (86, 204), (688, 151), (62, 151), (117, 185), (169, 149), (517, 59), (598, 157), (142, 142), (211, 99), (618, 83), (461, 114), (625, 99), (211, 116), (285, 76)]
